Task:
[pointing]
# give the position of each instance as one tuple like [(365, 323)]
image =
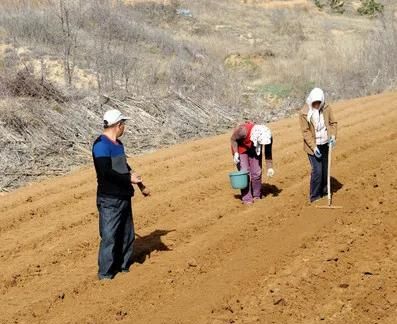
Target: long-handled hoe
[(329, 206)]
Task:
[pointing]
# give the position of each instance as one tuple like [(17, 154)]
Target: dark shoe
[(105, 277), (315, 200), (125, 270)]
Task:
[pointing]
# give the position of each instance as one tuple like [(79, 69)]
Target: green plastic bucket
[(239, 179)]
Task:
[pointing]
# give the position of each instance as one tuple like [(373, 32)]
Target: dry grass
[(145, 48), (24, 3), (188, 76)]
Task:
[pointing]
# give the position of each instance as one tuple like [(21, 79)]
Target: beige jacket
[(308, 131)]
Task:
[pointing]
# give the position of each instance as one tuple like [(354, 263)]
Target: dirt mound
[(204, 257)]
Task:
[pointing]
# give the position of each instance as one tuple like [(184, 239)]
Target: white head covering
[(260, 135), (315, 95)]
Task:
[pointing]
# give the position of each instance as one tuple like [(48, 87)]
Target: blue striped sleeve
[(101, 149)]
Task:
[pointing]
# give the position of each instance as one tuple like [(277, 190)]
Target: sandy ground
[(204, 257)]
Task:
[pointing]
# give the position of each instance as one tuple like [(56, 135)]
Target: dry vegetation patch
[(197, 68)]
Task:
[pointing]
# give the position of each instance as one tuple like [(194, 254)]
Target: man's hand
[(136, 178), (317, 153), (332, 141), (236, 158), (270, 172)]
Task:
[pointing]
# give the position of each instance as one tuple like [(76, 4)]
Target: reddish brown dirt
[(208, 258)]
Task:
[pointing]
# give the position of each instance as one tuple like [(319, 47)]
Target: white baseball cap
[(113, 116)]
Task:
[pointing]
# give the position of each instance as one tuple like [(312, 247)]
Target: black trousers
[(318, 179), (116, 229)]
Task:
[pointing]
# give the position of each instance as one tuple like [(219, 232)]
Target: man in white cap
[(319, 128), (114, 194)]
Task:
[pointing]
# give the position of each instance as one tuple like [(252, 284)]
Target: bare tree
[(70, 27)]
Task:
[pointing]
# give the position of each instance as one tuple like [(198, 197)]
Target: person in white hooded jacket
[(319, 129)]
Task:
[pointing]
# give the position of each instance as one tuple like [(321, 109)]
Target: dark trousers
[(116, 230), (318, 179)]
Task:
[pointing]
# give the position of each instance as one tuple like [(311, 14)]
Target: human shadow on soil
[(335, 185), (267, 189), (145, 245)]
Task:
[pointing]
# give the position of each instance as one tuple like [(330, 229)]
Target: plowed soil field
[(202, 257)]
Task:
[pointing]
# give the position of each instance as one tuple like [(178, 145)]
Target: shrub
[(319, 4), (370, 8), (338, 6), (24, 84)]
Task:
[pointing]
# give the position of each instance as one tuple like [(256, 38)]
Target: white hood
[(315, 95), (260, 135)]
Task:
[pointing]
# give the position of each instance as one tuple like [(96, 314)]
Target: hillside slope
[(184, 69), (208, 258)]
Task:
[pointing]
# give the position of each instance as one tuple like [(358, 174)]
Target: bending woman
[(247, 141)]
